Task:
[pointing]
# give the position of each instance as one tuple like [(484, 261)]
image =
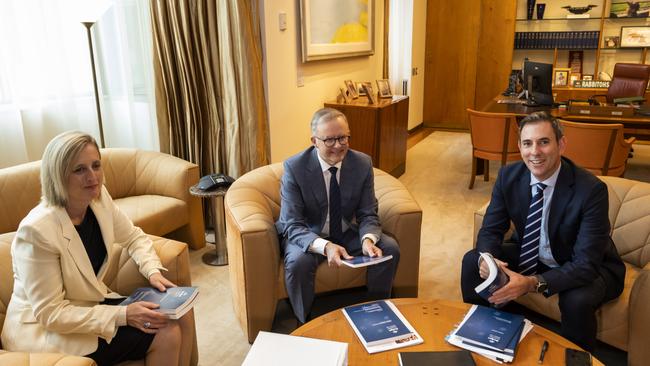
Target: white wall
[(290, 106), (416, 100)]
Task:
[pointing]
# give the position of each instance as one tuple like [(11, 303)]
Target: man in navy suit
[(329, 211), (566, 248)]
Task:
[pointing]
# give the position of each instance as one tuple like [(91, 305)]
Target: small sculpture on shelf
[(579, 9)]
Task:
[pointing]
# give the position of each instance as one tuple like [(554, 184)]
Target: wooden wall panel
[(495, 49), (450, 61)]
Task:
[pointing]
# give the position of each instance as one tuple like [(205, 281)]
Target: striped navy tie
[(530, 247)]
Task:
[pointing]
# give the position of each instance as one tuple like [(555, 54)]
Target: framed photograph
[(352, 88), (611, 42), (345, 95), (635, 37), (360, 88), (333, 29), (561, 76), (384, 88), (629, 9), (573, 76), (370, 94), (587, 77), (575, 61)]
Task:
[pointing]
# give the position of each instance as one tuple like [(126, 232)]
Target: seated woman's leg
[(186, 323), (166, 346)]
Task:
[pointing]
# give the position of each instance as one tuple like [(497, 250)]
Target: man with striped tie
[(561, 243)]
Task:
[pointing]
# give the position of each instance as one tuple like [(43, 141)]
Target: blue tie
[(336, 232), (530, 248)]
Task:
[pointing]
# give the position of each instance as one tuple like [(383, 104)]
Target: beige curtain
[(209, 87)]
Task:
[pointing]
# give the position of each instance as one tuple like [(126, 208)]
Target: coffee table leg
[(220, 255)]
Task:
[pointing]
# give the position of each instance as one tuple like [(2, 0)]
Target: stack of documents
[(491, 333), (272, 349)]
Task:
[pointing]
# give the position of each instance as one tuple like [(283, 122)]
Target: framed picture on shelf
[(384, 88), (345, 95), (561, 76), (611, 42), (587, 77), (573, 76), (352, 88), (370, 94), (360, 88), (331, 30), (575, 61), (629, 9), (635, 37)]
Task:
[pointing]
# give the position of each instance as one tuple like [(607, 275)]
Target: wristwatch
[(541, 284)]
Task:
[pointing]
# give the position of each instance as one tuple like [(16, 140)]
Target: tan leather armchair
[(150, 187), (599, 148), (252, 206), (625, 322)]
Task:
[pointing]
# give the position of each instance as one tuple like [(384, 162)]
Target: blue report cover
[(496, 279), (491, 328), (173, 302), (364, 260), (376, 322)]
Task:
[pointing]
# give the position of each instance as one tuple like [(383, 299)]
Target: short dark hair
[(537, 117)]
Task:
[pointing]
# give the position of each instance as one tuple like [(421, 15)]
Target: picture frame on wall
[(333, 29), (561, 76), (629, 9), (352, 89), (635, 37), (383, 86)]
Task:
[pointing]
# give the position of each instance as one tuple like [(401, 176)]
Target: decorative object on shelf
[(578, 11), (384, 88), (603, 76), (352, 89), (635, 37), (611, 42), (629, 9), (345, 95), (574, 76), (540, 10), (575, 61), (587, 77), (530, 9), (561, 76), (370, 94), (329, 30)]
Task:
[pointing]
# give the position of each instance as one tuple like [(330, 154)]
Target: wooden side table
[(220, 256)]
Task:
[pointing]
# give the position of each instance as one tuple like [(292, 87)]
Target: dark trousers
[(300, 272), (577, 305)]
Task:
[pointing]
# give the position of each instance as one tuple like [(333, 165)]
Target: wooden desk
[(637, 125), (433, 319), (379, 130)]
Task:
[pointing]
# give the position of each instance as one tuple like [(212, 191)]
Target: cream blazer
[(54, 306)]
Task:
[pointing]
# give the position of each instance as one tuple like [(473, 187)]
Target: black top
[(91, 236)]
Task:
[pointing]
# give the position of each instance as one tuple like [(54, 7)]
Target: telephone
[(212, 181)]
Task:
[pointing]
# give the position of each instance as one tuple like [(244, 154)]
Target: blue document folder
[(376, 322), (492, 328)]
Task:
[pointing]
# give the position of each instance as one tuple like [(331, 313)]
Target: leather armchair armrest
[(478, 221), (254, 257), (401, 218), (42, 359), (639, 319)]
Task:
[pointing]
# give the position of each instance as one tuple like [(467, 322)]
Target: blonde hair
[(56, 165)]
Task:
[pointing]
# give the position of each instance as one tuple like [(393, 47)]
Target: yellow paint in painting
[(353, 32)]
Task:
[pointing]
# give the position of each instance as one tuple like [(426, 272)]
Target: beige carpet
[(437, 174)]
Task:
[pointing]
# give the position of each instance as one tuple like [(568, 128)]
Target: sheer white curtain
[(400, 43), (46, 79)]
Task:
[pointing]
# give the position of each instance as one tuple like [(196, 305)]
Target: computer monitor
[(538, 83)]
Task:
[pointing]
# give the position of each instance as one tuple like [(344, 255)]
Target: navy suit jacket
[(303, 208), (578, 224)]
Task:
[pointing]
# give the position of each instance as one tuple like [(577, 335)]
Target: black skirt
[(128, 344)]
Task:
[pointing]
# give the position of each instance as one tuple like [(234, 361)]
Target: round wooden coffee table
[(433, 319)]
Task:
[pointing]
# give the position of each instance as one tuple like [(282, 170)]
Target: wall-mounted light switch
[(282, 21)]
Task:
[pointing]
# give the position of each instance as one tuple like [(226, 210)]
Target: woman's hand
[(141, 315), (159, 282)]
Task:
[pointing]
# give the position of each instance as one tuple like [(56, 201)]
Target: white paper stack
[(273, 349)]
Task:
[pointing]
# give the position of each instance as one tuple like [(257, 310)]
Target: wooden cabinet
[(379, 130)]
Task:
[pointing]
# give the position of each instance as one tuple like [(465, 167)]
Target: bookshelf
[(597, 55)]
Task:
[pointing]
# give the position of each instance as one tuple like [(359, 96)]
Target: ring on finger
[(146, 325)]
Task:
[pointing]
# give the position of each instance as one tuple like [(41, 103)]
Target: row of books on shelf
[(380, 326), (562, 40)]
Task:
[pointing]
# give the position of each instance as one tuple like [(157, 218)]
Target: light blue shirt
[(545, 254)]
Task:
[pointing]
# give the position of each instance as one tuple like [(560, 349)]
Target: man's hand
[(159, 282), (483, 267), (370, 249), (518, 286), (334, 254)]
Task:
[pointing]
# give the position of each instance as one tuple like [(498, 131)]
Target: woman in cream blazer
[(60, 302)]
